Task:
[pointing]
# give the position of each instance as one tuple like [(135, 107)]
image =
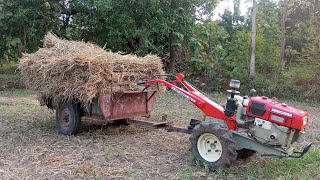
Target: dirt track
[(31, 148)]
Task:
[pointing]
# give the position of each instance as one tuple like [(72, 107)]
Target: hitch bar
[(305, 150), (158, 125)]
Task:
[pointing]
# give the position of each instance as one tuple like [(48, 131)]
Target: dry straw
[(76, 71)]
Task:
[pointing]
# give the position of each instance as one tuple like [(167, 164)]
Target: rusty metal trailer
[(106, 107)]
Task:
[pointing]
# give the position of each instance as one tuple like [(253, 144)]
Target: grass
[(31, 146), (95, 175), (15, 93), (8, 68), (186, 173), (276, 168), (10, 77), (307, 167)]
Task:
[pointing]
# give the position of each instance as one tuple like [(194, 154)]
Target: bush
[(9, 68), (10, 77)]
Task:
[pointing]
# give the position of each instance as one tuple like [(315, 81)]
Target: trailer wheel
[(68, 118), (213, 145)]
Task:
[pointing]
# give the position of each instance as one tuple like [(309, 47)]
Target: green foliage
[(121, 26), (10, 77), (197, 66), (217, 50), (8, 68), (23, 25), (138, 26), (225, 45)]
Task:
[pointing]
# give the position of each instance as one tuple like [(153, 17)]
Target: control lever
[(143, 83)]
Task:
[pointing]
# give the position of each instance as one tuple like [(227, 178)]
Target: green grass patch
[(16, 111), (16, 93), (10, 68), (10, 77), (186, 173), (307, 167)]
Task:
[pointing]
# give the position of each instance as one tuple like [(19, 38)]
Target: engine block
[(271, 133)]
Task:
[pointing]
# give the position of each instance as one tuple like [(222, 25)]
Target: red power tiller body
[(247, 124)]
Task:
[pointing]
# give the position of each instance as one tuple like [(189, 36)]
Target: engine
[(271, 122)]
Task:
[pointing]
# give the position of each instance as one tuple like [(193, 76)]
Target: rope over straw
[(76, 71)]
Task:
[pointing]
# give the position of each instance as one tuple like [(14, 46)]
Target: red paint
[(212, 109), (208, 107), (121, 105), (295, 122)]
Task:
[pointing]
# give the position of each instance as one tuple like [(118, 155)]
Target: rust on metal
[(93, 116), (122, 105)]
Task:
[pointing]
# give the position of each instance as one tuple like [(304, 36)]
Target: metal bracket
[(305, 150), (247, 142), (151, 96)]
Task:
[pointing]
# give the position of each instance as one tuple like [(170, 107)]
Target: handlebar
[(141, 83)]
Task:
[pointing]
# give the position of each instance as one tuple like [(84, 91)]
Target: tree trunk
[(253, 43), (6, 57), (24, 39), (172, 56), (283, 37), (19, 46)]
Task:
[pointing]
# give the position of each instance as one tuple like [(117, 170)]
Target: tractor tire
[(213, 145), (68, 118), (245, 153)]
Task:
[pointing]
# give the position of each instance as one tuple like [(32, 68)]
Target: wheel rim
[(65, 118), (209, 147)]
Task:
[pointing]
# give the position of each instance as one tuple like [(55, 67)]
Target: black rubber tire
[(245, 153), (229, 153), (68, 124)]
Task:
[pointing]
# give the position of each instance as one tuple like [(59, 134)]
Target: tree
[(253, 42), (172, 52), (283, 36), (139, 27), (23, 25), (267, 38)]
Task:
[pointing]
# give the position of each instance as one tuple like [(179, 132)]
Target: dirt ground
[(31, 148)]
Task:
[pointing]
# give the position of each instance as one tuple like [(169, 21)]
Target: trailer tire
[(68, 118), (213, 145)]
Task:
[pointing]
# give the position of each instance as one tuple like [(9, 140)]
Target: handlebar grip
[(141, 83)]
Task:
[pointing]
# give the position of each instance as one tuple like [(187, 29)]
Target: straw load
[(76, 71)]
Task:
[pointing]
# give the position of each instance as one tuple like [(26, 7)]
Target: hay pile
[(69, 70)]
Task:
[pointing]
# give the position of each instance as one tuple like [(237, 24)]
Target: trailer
[(106, 107)]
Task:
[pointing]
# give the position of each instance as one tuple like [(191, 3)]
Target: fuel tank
[(276, 112)]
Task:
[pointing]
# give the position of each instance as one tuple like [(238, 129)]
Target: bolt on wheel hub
[(65, 118)]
